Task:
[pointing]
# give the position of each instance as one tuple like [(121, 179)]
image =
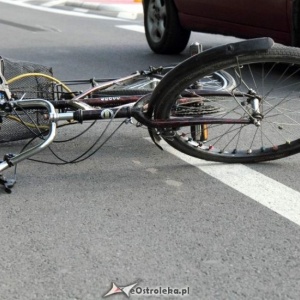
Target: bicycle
[(235, 103)]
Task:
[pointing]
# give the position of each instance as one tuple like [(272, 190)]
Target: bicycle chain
[(197, 110)]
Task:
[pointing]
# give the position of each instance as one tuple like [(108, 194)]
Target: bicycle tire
[(274, 77)]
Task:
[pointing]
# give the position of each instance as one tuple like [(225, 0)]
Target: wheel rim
[(156, 19)]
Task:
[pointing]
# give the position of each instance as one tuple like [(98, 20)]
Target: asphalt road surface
[(132, 214)]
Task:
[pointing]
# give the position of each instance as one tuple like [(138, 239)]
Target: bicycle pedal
[(7, 184)]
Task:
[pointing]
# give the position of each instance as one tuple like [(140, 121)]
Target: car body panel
[(242, 18)]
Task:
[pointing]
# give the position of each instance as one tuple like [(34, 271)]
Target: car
[(168, 23)]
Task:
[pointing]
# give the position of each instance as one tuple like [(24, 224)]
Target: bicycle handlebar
[(47, 140)]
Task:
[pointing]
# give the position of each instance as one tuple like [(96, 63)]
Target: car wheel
[(163, 30)]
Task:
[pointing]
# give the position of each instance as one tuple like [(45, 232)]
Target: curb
[(126, 11)]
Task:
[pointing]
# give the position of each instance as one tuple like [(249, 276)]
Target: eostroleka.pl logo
[(118, 289), (133, 289)]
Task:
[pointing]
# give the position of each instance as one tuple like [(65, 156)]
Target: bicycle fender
[(242, 48)]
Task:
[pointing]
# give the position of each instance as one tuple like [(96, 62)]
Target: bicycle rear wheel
[(267, 95)]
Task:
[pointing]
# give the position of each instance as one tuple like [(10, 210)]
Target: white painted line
[(60, 11), (53, 3), (264, 190), (127, 15), (81, 10), (138, 28)]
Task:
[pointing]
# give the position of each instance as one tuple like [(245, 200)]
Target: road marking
[(127, 15), (59, 11), (138, 28), (53, 3), (264, 190), (82, 10)]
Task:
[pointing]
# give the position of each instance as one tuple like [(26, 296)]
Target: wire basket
[(24, 124)]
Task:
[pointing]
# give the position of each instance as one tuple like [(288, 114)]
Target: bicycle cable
[(42, 129), (26, 124), (79, 158), (51, 78)]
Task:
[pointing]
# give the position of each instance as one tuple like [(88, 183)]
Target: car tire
[(163, 31)]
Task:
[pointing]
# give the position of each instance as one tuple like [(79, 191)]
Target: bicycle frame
[(125, 111)]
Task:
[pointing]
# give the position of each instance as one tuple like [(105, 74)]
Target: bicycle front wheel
[(266, 96)]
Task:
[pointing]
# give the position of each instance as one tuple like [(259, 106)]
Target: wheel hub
[(254, 101), (156, 13)]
